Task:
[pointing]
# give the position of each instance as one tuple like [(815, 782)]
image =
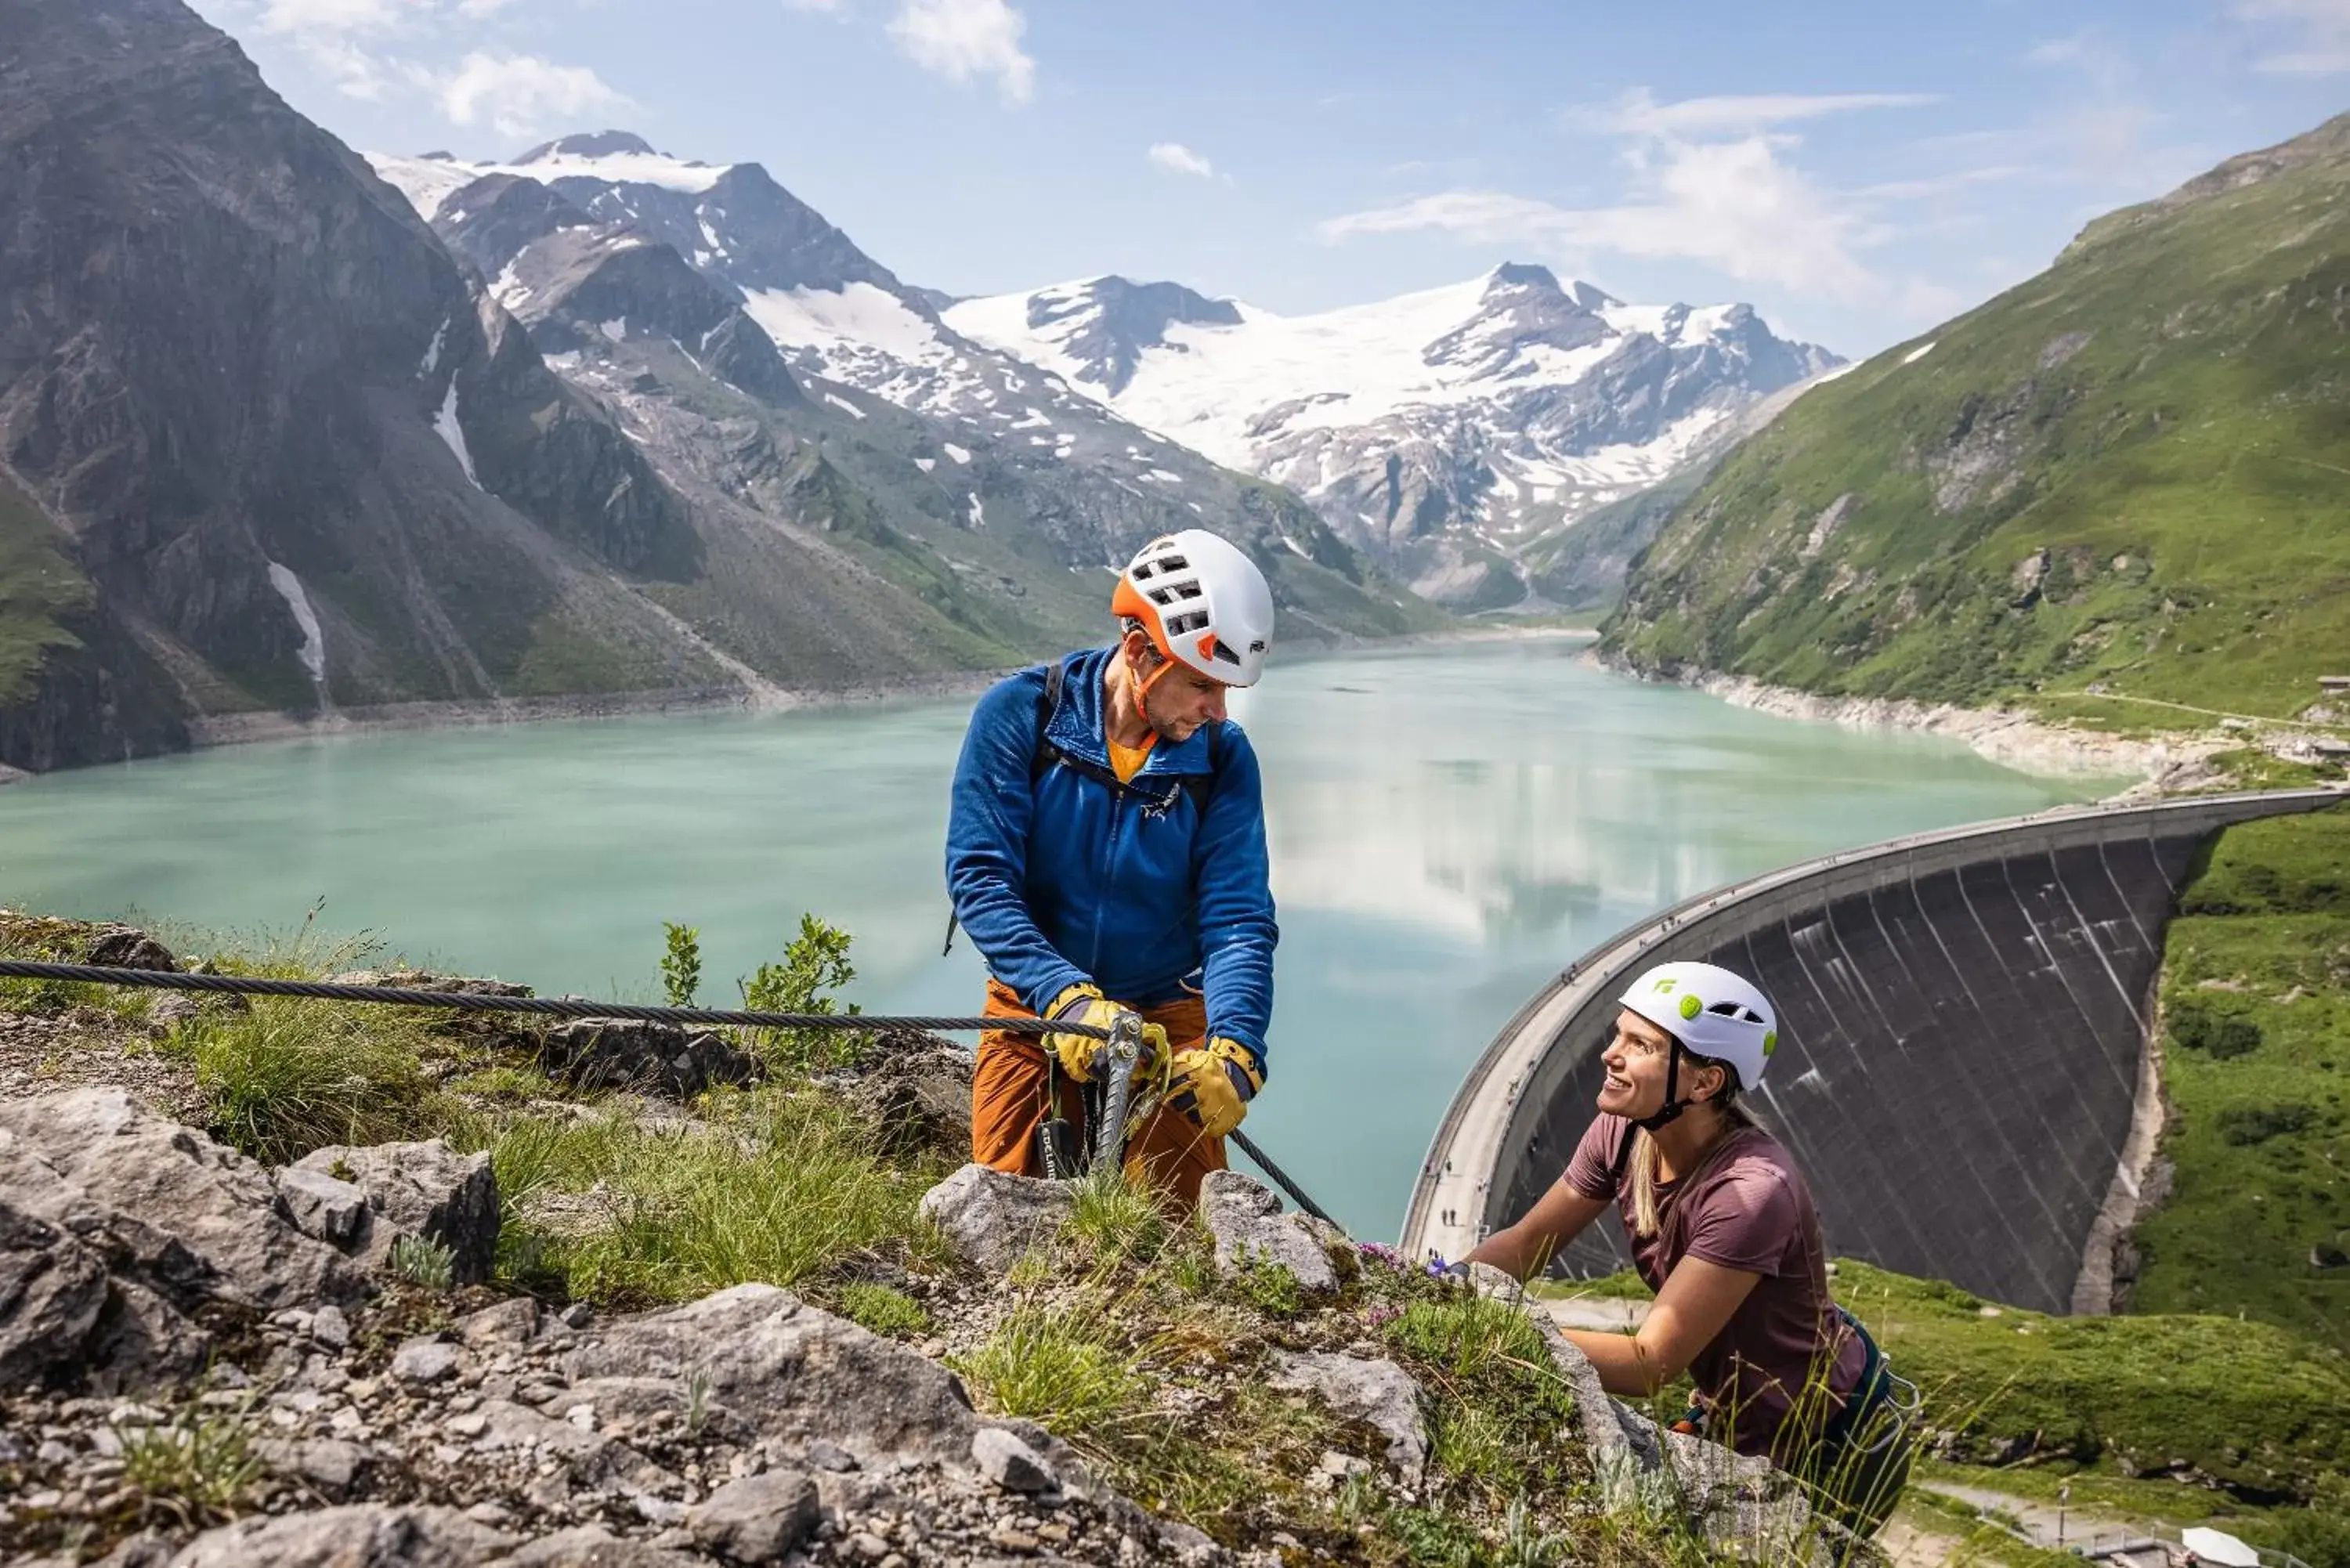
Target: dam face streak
[(1962, 1024)]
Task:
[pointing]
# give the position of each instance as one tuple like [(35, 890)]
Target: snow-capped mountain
[(659, 286), (1444, 430)]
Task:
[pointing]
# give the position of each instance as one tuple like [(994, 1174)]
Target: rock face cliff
[(2120, 478)]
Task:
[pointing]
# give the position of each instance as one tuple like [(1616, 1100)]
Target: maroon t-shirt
[(1746, 1208)]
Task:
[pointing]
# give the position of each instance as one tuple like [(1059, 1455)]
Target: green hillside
[(2128, 474)]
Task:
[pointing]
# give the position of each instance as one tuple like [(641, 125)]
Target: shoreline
[(208, 731), (2003, 735)]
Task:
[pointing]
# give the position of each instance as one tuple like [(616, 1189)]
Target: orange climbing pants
[(1009, 1082)]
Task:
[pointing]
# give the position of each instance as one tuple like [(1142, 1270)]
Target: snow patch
[(954, 452), (1920, 351), (838, 402), (926, 463), (978, 512), (1163, 477), (445, 425), (432, 354), (856, 320), (313, 651), (617, 329)]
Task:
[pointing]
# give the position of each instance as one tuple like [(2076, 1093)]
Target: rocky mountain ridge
[(1446, 432), (2112, 492)]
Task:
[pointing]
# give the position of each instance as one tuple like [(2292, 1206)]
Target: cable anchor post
[(1120, 1056)]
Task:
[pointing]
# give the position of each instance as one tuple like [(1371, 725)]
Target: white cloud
[(1637, 113), (519, 93), (1177, 159), (1734, 205), (834, 7), (960, 39), (355, 72), (2320, 30), (329, 16)]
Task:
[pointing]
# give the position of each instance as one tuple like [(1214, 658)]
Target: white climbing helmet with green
[(1712, 1013)]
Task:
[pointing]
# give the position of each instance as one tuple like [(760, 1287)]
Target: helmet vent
[(1191, 621), (1226, 654), (1173, 563), (1739, 1010)]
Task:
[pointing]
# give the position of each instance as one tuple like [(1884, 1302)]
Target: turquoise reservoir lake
[(1450, 825)]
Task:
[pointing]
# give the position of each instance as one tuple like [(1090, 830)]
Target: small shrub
[(680, 964), (2244, 1126), (2195, 1027), (1271, 1288), (815, 965), (884, 1310), (200, 1464), (421, 1261)]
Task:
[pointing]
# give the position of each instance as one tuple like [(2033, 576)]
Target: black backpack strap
[(1198, 786)]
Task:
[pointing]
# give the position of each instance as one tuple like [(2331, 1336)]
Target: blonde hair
[(1646, 1216)]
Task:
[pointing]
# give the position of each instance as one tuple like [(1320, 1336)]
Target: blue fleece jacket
[(1069, 878)]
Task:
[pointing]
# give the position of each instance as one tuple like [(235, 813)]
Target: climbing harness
[(580, 1007)]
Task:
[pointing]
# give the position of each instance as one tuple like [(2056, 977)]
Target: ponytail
[(1646, 1218)]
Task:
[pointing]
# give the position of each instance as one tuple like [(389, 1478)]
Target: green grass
[(2182, 465), (2256, 1029), (41, 591), (2254, 1407), (884, 1309), (1066, 1366), (199, 1465), (778, 1184), (1114, 1218), (288, 1077)]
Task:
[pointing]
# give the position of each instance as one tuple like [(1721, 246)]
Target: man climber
[(1106, 851)]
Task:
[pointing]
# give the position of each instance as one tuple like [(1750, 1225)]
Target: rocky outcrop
[(1375, 1390), (657, 1059), (123, 1234)]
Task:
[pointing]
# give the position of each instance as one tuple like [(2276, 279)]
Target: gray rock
[(330, 1328), (127, 947), (327, 1464), (1245, 1218), (593, 1459), (756, 1519), (787, 1372), (508, 1325), (360, 1535), (171, 1009), (995, 1219), (1379, 1392), (52, 1289), (424, 1189), (592, 1546), (424, 1361), (322, 1207), (1010, 1463), (657, 1059), (177, 1221)]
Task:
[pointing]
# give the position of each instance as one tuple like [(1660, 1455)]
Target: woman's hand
[(1526, 1247), (1690, 1313)]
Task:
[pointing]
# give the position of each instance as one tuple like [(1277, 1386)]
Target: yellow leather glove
[(1079, 1005), (1215, 1083), (1076, 1053)]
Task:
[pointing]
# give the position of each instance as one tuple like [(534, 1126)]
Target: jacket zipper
[(1109, 857)]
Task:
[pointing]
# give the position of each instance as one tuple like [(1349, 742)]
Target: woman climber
[(1721, 1227)]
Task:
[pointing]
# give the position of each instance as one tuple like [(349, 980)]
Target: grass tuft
[(199, 1465), (883, 1309), (1062, 1365)]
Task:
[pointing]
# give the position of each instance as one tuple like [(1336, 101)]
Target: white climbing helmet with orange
[(1713, 1011), (1203, 603)]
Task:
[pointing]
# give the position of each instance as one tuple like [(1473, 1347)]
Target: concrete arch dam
[(1963, 1067)]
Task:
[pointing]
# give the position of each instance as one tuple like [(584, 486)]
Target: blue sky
[(1858, 170)]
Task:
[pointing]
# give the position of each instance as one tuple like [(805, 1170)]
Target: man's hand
[(1215, 1083), (1079, 1005)]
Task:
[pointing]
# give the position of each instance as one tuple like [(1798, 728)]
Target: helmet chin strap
[(1673, 1106)]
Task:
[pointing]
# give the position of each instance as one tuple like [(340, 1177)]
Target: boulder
[(423, 1190), (656, 1058), (328, 1465), (994, 1220), (756, 1519), (424, 1360), (787, 1371), (592, 1458), (360, 1535), (1250, 1230), (178, 1222), (1379, 1392)]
